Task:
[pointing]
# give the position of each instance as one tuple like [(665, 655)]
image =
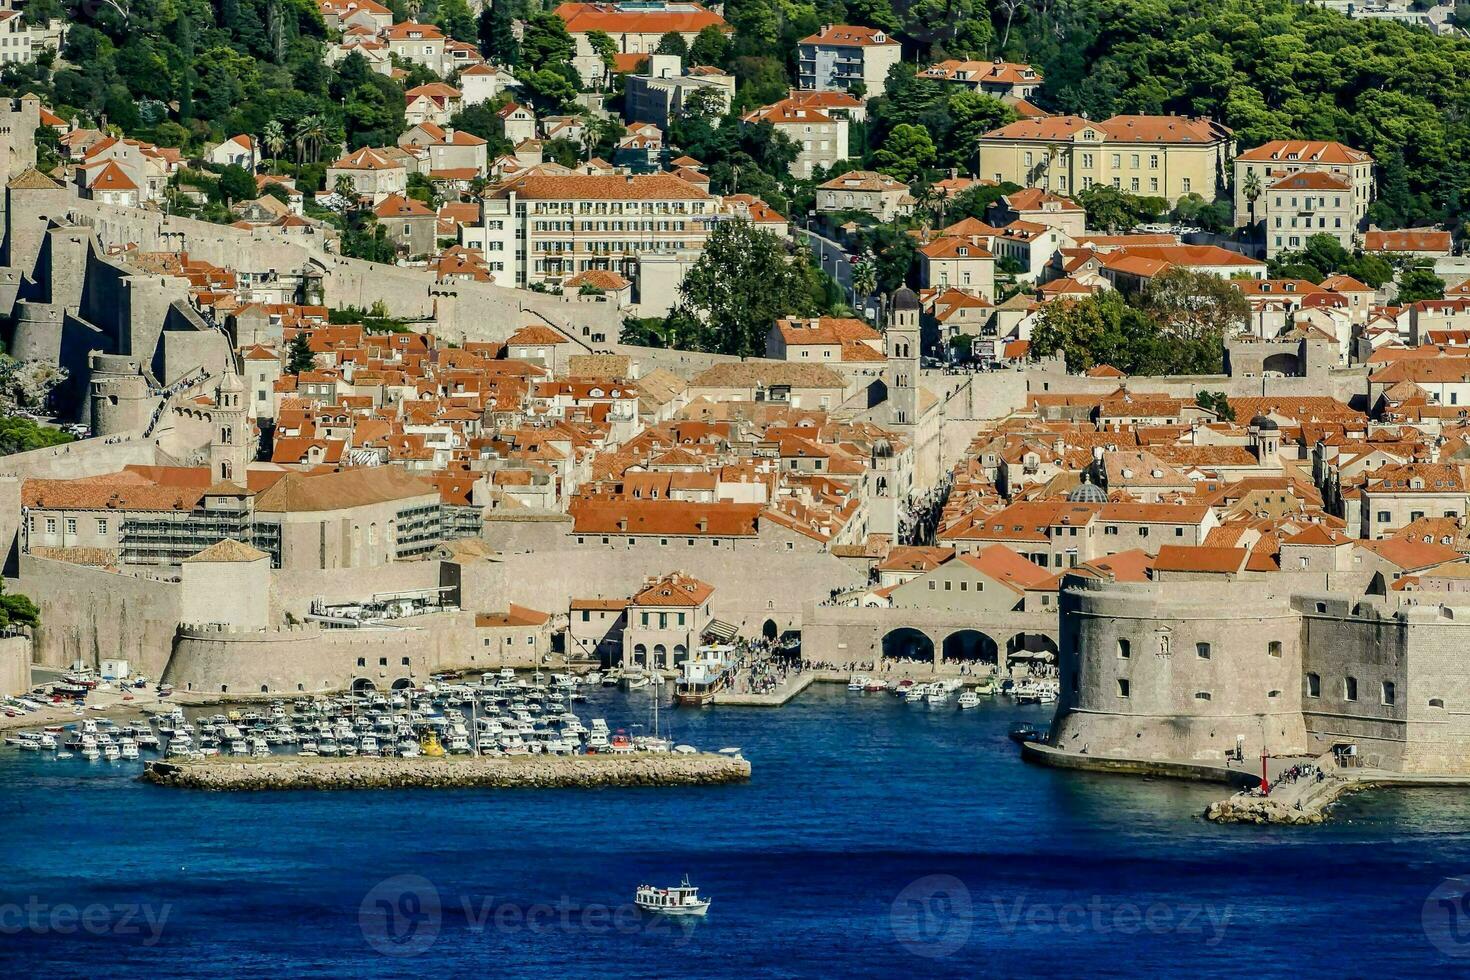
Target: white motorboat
[(30, 741), (682, 899), (937, 695), (129, 748), (969, 700), (857, 682)]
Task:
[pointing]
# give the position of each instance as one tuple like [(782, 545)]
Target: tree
[(18, 610), (546, 42), (710, 47), (497, 33), (236, 184), (905, 153), (739, 287), (1216, 402), (1251, 187), (273, 138), (672, 43), (1105, 329), (1117, 211), (974, 114), (18, 435), (550, 90), (1194, 306), (605, 48), (1418, 283), (299, 356)]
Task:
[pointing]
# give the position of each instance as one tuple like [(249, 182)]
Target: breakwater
[(465, 772)]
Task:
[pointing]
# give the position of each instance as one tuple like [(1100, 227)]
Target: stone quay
[(528, 772)]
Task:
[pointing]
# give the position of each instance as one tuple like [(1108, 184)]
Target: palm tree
[(273, 138), (1251, 188), (865, 277), (310, 131)]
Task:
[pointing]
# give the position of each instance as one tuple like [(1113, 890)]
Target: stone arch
[(640, 655), (660, 655), (681, 654), (972, 647), (907, 643), (1282, 363), (402, 684), (769, 630), (362, 684)]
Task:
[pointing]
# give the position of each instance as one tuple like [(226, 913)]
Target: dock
[(781, 694), (450, 772)]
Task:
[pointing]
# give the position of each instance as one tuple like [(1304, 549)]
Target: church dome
[(905, 299), (1087, 492), (1264, 423)]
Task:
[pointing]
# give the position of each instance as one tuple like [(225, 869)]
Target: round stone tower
[(119, 396)]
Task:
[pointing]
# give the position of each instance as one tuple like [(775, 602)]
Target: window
[(932, 587), (1186, 185), (382, 661), (1321, 607), (948, 586), (101, 525), (1143, 532), (586, 615), (362, 661), (1388, 692), (1202, 650), (1122, 687), (71, 525), (1350, 688), (1273, 649), (1202, 695), (405, 661), (1314, 686), (1384, 517), (1436, 702), (1125, 649), (645, 619)]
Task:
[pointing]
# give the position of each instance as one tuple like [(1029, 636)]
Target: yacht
[(682, 899), (128, 747)]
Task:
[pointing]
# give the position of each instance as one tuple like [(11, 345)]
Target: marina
[(800, 884)]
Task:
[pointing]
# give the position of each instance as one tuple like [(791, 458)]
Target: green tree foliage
[(1323, 256), (1418, 283), (672, 43), (546, 42), (236, 184), (1105, 329), (18, 610), (739, 287), (299, 356), (906, 153), (1118, 211), (19, 435), (606, 48), (710, 47), (1216, 402), (497, 33)]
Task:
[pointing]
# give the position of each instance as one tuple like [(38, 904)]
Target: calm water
[(876, 839)]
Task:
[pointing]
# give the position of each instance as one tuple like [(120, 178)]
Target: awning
[(721, 630)]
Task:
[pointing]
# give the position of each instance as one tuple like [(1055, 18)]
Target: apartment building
[(658, 94), (843, 57), (822, 138), (546, 228), (1303, 188), (636, 27), (1154, 156), (1000, 78)]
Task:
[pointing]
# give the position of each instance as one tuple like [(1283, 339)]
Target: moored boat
[(681, 899)]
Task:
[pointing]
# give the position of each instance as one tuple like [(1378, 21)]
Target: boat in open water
[(682, 899)]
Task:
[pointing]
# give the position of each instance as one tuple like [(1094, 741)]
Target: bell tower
[(902, 342), (229, 442)]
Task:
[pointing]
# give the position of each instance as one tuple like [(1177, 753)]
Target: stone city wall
[(15, 665)]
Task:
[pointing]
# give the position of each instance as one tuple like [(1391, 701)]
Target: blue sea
[(876, 838)]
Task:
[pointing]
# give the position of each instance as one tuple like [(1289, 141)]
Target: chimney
[(622, 524)]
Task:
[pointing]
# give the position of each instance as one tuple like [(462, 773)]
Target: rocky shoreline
[(528, 772)]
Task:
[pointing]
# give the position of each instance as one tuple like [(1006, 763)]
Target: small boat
[(969, 700), (1027, 732), (30, 741), (430, 746), (875, 685), (858, 682), (682, 899)]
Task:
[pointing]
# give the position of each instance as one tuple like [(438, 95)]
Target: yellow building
[(1154, 156)]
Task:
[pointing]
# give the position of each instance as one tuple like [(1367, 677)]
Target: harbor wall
[(308, 658), (531, 772), (90, 613), (839, 635), (754, 581), (15, 665)]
